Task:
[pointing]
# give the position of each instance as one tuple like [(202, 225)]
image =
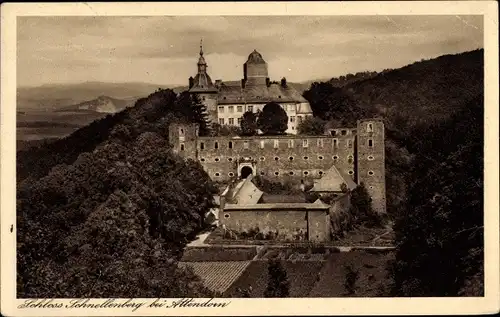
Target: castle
[(357, 153), (342, 157), (226, 102)]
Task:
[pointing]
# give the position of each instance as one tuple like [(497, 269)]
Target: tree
[(248, 124), (312, 126), (193, 110), (351, 277), (278, 285), (333, 104), (361, 207), (273, 119)]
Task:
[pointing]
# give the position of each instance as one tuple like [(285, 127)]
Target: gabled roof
[(233, 93), (246, 193), (332, 181)]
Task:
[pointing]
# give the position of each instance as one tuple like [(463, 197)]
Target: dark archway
[(245, 171)]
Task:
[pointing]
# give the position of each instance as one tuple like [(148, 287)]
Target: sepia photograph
[(208, 159)]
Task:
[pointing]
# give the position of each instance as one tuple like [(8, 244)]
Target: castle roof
[(202, 83), (234, 93), (255, 58), (332, 181)]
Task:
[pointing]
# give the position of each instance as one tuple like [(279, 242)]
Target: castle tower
[(371, 160), (184, 139), (255, 70), (202, 86)]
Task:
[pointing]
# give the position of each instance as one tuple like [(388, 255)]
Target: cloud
[(164, 49)]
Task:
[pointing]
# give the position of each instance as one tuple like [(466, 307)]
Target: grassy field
[(311, 273)]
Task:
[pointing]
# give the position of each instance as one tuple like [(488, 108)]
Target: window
[(217, 159), (351, 172), (221, 121), (306, 158), (240, 108), (262, 173), (231, 109), (202, 159), (349, 144), (239, 121), (370, 173), (262, 143), (245, 144), (182, 146), (305, 143), (335, 157), (181, 131), (335, 143), (231, 174), (353, 131), (371, 187), (320, 157), (291, 173), (291, 107), (217, 174), (291, 158), (350, 159), (231, 121), (290, 143), (320, 142), (203, 98), (276, 158), (216, 145), (262, 158), (226, 215), (370, 142), (370, 158), (320, 172), (333, 132), (343, 132), (279, 96), (250, 108), (306, 173), (299, 119), (230, 145), (230, 159), (221, 109), (202, 146), (276, 173), (276, 144), (292, 119), (369, 127)]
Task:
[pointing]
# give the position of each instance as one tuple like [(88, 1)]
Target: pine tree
[(278, 285), (248, 124)]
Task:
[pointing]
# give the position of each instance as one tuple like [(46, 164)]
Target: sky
[(164, 50)]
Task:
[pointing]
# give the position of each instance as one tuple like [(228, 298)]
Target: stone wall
[(290, 224)]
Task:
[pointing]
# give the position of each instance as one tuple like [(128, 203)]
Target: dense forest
[(433, 116), (106, 211)]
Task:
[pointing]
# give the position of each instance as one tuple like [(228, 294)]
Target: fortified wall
[(358, 152)]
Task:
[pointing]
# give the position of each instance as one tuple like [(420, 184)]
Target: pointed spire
[(201, 47)]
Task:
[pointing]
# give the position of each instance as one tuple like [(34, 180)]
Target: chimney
[(191, 82), (218, 82), (268, 82), (283, 82), (243, 82)]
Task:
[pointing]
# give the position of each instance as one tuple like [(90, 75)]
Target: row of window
[(350, 158), (292, 173), (231, 121), (291, 144), (240, 109)]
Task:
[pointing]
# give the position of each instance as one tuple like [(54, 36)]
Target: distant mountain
[(56, 96), (102, 104)]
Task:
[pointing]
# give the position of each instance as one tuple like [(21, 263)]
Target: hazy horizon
[(164, 50)]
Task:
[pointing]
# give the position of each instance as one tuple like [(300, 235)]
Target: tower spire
[(201, 47)]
